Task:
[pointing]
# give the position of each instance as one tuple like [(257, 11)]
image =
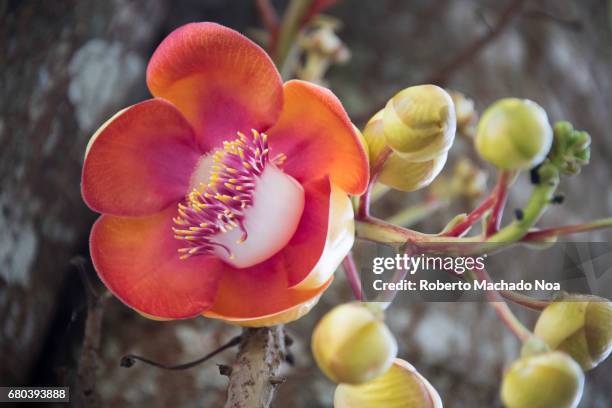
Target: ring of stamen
[(219, 205)]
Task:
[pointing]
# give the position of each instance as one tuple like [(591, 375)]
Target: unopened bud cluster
[(401, 386), (571, 148), (573, 334), (352, 344), (323, 48), (546, 380), (579, 325), (466, 180), (419, 125), (465, 112), (354, 348)]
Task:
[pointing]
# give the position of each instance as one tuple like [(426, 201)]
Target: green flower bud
[(514, 134), (581, 326), (419, 122), (571, 148), (547, 380), (398, 172), (351, 344), (400, 387)]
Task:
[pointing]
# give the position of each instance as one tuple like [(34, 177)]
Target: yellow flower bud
[(351, 344), (419, 122), (400, 387), (579, 325), (464, 109), (466, 180), (397, 172), (547, 380), (514, 134)]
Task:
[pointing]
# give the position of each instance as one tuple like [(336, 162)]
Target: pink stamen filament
[(220, 205)]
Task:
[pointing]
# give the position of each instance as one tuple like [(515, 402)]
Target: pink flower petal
[(140, 161)]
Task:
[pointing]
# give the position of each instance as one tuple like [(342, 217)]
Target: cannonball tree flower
[(226, 194)]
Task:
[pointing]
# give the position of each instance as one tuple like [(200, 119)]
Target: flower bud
[(419, 122), (547, 380), (579, 325), (514, 134), (351, 344), (466, 180), (464, 109), (571, 148), (400, 387), (322, 48), (398, 172)]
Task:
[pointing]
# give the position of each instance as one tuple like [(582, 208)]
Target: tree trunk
[(65, 67), (254, 375)]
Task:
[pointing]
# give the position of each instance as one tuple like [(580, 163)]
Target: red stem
[(352, 275), (269, 18), (364, 202), (474, 216), (502, 309), (363, 211), (501, 197), (553, 232), (523, 300)]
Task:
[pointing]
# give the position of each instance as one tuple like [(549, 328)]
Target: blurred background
[(66, 66)]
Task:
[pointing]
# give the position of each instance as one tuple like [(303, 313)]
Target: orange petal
[(137, 259), (221, 81), (318, 138), (265, 289), (139, 161), (283, 317)]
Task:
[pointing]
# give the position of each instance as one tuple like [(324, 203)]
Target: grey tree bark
[(253, 377), (65, 66)]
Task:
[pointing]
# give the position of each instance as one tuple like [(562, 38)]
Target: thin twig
[(467, 54), (571, 23), (129, 360)]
